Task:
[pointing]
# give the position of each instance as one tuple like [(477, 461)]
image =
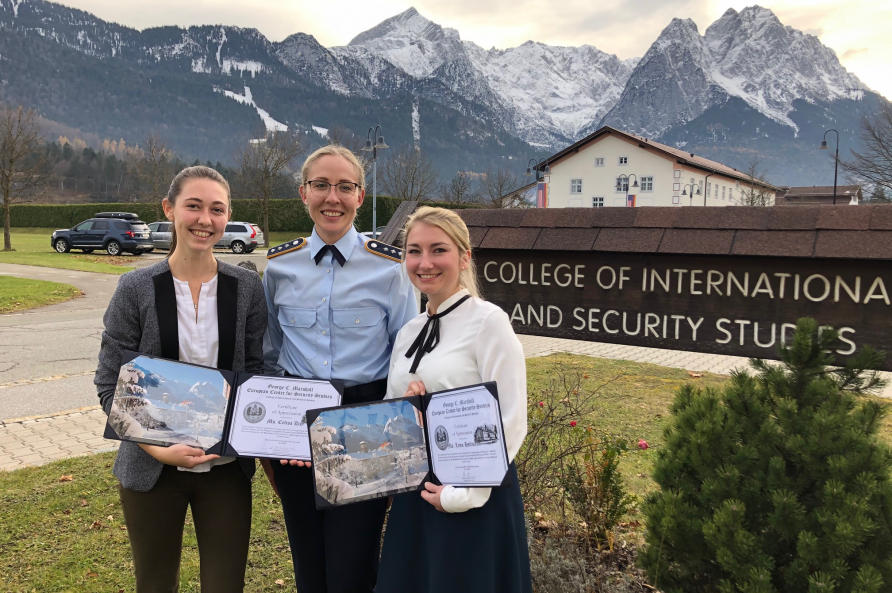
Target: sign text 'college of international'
[(639, 290)]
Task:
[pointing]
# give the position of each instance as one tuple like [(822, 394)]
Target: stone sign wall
[(720, 280)]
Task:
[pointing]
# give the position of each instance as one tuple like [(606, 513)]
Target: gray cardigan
[(142, 317)]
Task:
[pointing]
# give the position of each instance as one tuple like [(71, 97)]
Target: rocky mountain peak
[(412, 42)]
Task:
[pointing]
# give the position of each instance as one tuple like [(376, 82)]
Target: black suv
[(113, 231)]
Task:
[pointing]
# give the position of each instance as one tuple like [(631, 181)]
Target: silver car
[(161, 234), (240, 237)]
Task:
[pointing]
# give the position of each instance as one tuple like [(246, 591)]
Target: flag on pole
[(630, 201), (542, 195)]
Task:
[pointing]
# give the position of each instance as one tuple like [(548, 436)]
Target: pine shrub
[(778, 483)]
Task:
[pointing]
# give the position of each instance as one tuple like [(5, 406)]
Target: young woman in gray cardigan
[(192, 308)]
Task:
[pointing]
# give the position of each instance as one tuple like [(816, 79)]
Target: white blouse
[(477, 344), (199, 338)]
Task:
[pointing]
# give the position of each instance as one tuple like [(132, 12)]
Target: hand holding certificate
[(165, 402), (371, 450)]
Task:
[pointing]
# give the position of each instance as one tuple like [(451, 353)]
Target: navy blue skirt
[(479, 551)]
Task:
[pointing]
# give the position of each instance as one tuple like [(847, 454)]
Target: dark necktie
[(429, 337), (334, 252)]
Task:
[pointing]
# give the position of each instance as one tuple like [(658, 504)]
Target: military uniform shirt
[(333, 322)]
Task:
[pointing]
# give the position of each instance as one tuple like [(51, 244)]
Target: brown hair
[(333, 150), (176, 188), (451, 224)]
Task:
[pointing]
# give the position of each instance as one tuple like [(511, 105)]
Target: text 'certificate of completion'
[(466, 441), (270, 415)]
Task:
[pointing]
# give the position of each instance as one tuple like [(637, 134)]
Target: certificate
[(233, 414), (269, 416), (384, 448), (467, 445)]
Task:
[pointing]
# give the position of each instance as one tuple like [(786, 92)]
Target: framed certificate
[(371, 450), (165, 402)]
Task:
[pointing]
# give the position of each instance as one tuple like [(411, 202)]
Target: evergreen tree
[(777, 484)]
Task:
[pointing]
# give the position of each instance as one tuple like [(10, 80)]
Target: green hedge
[(285, 215)]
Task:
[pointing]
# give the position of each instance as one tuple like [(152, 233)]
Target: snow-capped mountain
[(748, 86), (545, 94), (403, 433), (749, 55)]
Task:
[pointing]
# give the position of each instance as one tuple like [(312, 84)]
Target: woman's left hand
[(431, 493)]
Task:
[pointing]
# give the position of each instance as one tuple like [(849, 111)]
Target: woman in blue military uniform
[(336, 301)]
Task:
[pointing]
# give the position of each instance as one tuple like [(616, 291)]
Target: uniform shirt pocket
[(363, 317), (298, 325)]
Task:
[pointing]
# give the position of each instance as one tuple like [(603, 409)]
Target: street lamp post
[(620, 185), (824, 146), (692, 185), (546, 170), (373, 148)]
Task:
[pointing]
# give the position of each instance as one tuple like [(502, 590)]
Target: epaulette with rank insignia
[(384, 250), (285, 248)]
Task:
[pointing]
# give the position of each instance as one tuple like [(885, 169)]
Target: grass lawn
[(70, 536), (17, 294), (32, 247)]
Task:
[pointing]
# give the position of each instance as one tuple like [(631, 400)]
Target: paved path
[(48, 357)]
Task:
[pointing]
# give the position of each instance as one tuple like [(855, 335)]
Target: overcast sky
[(857, 31)]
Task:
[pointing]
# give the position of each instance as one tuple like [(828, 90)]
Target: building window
[(708, 189), (647, 183), (623, 160), (678, 173), (676, 187), (597, 202), (730, 194), (599, 162), (622, 184), (723, 192), (576, 186)]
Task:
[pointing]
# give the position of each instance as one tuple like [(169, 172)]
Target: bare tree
[(874, 164), (500, 189), (754, 192), (155, 164), (460, 189), (23, 163), (343, 136), (408, 174), (266, 167)]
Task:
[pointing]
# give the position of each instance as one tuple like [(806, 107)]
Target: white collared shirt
[(477, 344), (199, 338)]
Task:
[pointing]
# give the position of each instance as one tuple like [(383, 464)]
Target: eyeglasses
[(321, 188)]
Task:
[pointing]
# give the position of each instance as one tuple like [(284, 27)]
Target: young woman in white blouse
[(448, 539), (191, 308)]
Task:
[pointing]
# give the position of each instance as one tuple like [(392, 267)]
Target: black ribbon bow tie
[(334, 252), (425, 342)]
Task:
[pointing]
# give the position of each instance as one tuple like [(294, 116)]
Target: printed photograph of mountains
[(747, 88)]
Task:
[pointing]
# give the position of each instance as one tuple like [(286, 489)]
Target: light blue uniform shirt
[(333, 322)]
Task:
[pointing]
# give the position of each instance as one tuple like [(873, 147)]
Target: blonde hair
[(455, 228), (333, 150), (176, 188)]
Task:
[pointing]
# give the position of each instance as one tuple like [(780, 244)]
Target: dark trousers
[(334, 550), (221, 510)]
